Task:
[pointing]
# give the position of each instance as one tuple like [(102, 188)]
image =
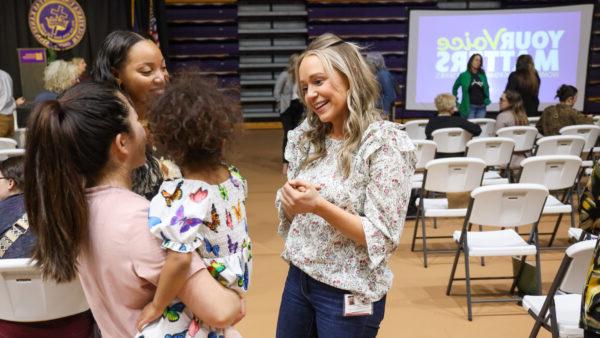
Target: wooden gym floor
[(417, 305)]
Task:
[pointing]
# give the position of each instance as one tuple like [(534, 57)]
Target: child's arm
[(172, 278)]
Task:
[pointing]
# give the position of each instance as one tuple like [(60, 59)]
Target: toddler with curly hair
[(205, 211)]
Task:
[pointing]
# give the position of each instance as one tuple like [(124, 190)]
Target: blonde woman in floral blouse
[(343, 207)]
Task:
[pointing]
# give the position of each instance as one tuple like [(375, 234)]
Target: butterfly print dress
[(192, 215)]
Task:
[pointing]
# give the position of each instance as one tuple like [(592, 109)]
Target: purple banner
[(32, 55)]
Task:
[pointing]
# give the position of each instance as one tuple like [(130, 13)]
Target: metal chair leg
[(468, 284), (423, 233), (454, 265), (556, 229), (414, 239)]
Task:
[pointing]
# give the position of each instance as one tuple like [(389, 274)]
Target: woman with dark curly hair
[(205, 211)]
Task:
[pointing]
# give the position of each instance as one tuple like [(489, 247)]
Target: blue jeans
[(476, 112), (310, 309)]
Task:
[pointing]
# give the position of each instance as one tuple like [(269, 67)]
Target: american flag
[(152, 26)]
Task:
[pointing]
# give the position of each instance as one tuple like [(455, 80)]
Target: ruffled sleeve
[(176, 219), (284, 223), (386, 160), (295, 153)]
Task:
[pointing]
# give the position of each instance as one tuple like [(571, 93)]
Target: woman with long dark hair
[(475, 95), (128, 61), (526, 81), (81, 151)]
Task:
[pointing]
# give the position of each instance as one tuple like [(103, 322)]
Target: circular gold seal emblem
[(57, 24)]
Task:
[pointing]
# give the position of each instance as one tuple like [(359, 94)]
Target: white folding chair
[(451, 140), (559, 311), (20, 136), (558, 174), (495, 152), (502, 206), (487, 126), (560, 145), (27, 297), (446, 175), (6, 153), (588, 131), (532, 120), (425, 152), (7, 143), (416, 129), (577, 234), (524, 137)]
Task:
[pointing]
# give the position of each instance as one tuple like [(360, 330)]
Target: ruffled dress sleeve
[(386, 159), (175, 216), (295, 152)]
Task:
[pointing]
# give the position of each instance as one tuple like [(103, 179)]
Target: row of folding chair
[(497, 153), (463, 174), (416, 130)]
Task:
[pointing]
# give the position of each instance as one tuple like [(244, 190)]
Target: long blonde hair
[(363, 92)]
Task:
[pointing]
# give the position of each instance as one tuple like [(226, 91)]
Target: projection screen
[(441, 42)]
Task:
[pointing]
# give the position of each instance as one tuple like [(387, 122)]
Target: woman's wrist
[(320, 206)]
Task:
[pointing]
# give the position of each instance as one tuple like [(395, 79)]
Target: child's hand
[(149, 314)]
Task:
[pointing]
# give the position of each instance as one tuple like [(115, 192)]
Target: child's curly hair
[(192, 122)]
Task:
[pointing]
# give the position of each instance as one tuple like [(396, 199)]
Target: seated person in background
[(512, 112), (563, 114), (12, 211), (59, 76), (446, 117)]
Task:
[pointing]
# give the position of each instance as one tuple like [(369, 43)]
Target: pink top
[(120, 268)]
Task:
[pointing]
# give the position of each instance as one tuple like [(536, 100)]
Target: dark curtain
[(102, 17)]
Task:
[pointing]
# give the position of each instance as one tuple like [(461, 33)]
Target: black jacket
[(454, 121)]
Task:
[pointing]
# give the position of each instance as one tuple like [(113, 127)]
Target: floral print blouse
[(377, 190)]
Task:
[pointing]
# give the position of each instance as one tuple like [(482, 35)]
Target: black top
[(476, 95), (454, 121), (530, 100)]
